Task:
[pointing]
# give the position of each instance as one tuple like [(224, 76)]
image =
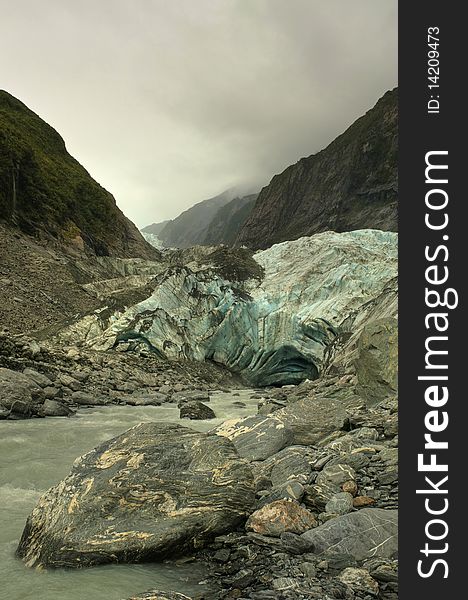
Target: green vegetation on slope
[(45, 192)]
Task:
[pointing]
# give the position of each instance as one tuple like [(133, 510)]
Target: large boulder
[(156, 490), (367, 533), (256, 437), (20, 396), (312, 419)]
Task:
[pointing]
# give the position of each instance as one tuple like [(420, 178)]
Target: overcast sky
[(169, 102)]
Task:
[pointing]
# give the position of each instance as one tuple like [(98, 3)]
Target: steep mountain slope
[(155, 228), (46, 193), (228, 221), (351, 184), (189, 228)]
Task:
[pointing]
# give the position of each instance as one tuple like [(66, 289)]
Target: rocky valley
[(232, 399)]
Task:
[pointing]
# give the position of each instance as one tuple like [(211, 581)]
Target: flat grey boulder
[(156, 490), (367, 533), (312, 419), (257, 437)]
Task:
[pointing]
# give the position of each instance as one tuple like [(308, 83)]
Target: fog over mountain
[(167, 103)]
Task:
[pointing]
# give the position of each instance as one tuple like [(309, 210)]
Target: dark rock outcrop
[(45, 192), (196, 410), (351, 184), (156, 490)]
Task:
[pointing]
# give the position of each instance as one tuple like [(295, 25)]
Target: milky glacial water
[(35, 454)]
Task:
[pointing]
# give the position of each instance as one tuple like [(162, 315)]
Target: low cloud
[(167, 103)]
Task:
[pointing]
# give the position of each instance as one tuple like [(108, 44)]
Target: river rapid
[(36, 454)]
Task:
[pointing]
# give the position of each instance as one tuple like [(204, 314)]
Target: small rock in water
[(256, 438), (53, 408), (189, 396), (150, 399), (370, 532), (196, 411)]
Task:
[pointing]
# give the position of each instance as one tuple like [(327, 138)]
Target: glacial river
[(35, 454)]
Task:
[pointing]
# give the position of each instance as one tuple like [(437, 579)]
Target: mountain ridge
[(350, 184)]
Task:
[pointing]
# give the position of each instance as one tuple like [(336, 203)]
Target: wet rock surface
[(368, 533), (154, 491)]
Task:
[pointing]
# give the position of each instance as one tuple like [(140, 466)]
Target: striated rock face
[(352, 184), (273, 331), (47, 193), (152, 492), (196, 410), (368, 533)]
